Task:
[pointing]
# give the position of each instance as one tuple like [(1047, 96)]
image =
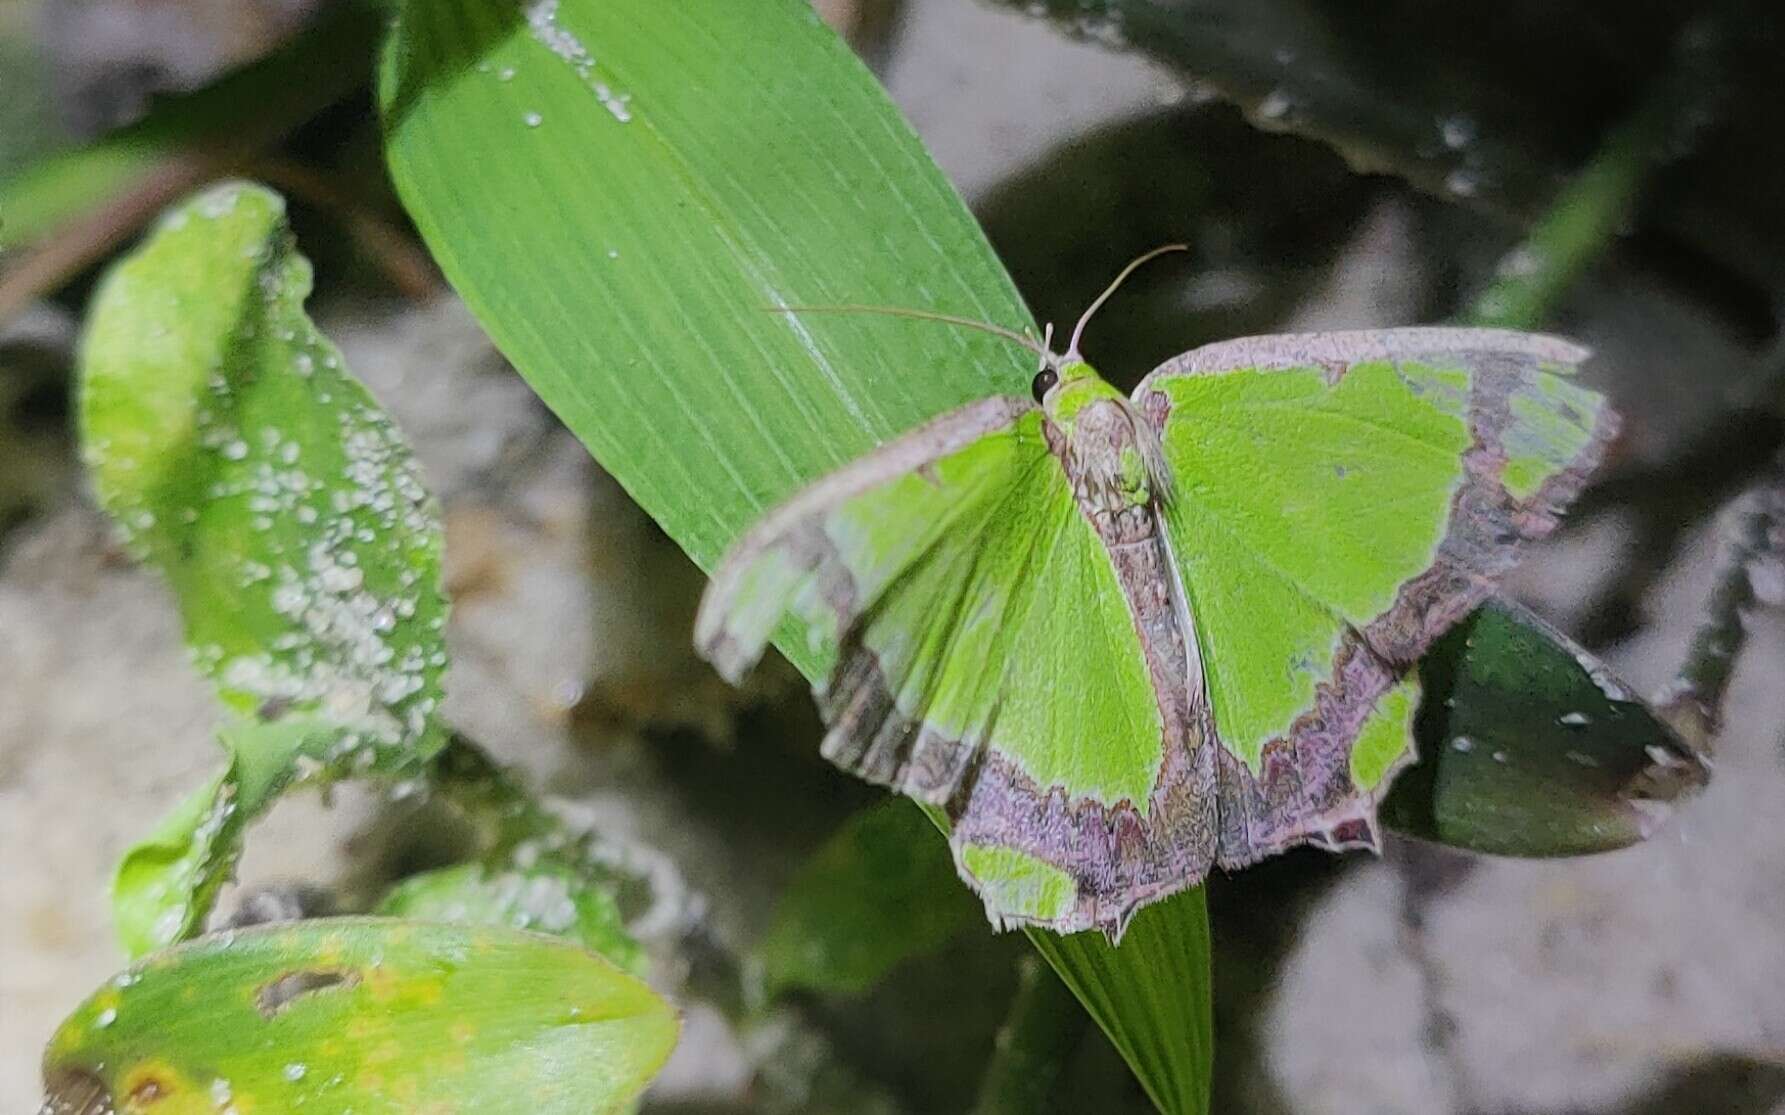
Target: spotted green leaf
[(240, 458), (1121, 641), (545, 898), (1539, 750), (370, 1015)]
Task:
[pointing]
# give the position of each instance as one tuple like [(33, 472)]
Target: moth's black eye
[(1044, 380)]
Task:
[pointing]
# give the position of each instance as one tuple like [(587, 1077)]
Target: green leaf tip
[(166, 884)]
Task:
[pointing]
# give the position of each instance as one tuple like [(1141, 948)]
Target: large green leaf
[(369, 1015), (240, 457), (620, 189)]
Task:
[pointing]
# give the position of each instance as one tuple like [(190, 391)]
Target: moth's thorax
[(1109, 451), (1079, 386)]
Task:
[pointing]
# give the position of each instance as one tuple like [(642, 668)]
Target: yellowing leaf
[(370, 1015)]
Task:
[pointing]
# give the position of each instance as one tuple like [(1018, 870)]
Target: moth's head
[(1064, 379), (1066, 382)]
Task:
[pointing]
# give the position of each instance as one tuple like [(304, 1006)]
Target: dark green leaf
[(1532, 747), (881, 890)]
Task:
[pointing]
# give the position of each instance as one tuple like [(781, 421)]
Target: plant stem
[(1754, 531), (189, 140), (1044, 1026), (1588, 213), (1582, 221)]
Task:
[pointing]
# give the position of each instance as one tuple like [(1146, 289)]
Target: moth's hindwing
[(1345, 498)]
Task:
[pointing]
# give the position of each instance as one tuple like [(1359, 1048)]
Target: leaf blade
[(240, 457), (372, 1014), (881, 890), (546, 898)]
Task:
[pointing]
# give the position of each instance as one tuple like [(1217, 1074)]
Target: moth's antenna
[(1047, 345), (925, 315), (1079, 330)]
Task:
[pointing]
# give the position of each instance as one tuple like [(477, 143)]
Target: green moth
[(1120, 640)]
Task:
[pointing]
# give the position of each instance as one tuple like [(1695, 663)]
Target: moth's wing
[(827, 553), (987, 663), (1342, 499)]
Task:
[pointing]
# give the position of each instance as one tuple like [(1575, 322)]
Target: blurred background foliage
[(1331, 167)]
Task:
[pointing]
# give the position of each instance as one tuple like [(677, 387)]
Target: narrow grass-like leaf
[(625, 253), (881, 890), (545, 898), (370, 1015), (1164, 954), (621, 190)]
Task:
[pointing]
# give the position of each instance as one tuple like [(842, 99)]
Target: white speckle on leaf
[(220, 201), (542, 21)]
